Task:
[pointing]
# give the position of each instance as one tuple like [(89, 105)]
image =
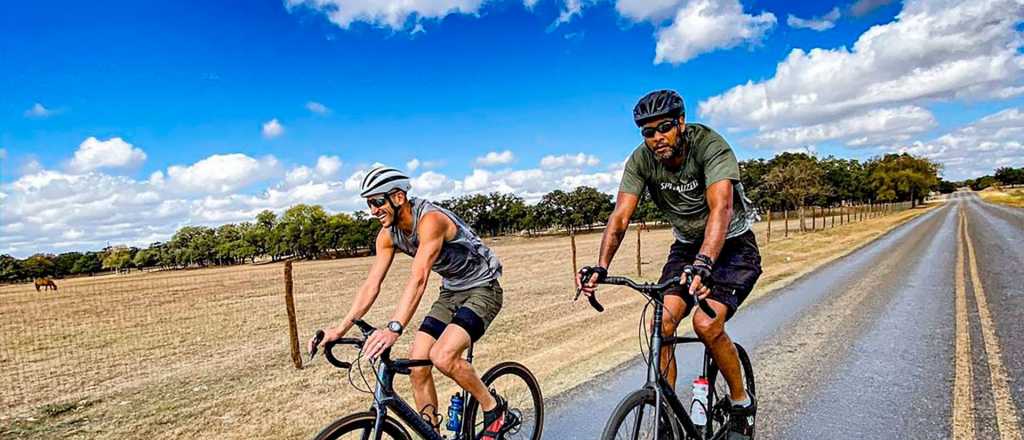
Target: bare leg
[(422, 378), (447, 357), (712, 332), (674, 311)]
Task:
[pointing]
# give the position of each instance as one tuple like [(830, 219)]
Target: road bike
[(514, 381), (634, 417)]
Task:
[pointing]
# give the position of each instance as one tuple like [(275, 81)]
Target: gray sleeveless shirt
[(464, 263)]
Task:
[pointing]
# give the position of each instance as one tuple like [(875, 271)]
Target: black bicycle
[(515, 382), (634, 417)]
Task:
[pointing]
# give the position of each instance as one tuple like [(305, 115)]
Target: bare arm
[(719, 196), (433, 228), (368, 292), (618, 222)]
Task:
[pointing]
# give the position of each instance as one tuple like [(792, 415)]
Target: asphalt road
[(918, 335)]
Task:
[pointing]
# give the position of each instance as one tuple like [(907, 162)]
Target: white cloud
[(272, 129), (651, 10), (978, 148), (572, 9), (39, 111), (869, 129), (328, 166), (823, 23), (569, 160), (93, 154), (317, 108), (706, 25), (394, 14), (931, 51), (411, 165), (496, 158), (221, 173), (53, 211)]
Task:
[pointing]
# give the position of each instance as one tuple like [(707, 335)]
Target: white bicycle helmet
[(382, 180)]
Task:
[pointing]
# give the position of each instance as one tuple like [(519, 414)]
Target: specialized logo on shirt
[(681, 188)]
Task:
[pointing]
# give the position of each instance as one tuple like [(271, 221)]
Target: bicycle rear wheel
[(633, 419), (517, 385), (718, 392), (359, 426)]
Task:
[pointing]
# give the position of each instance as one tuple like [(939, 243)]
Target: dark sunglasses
[(662, 128), (377, 202)]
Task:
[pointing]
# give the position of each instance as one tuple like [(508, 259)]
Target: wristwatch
[(395, 327)]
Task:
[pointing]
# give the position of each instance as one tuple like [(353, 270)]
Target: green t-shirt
[(681, 194)]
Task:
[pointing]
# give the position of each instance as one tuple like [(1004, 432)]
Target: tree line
[(786, 181)]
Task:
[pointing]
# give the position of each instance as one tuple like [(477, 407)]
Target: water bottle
[(455, 413), (698, 408)]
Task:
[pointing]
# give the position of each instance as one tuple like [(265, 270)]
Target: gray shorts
[(472, 309)]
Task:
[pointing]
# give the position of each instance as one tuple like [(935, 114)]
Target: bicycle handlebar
[(364, 327), (647, 289)]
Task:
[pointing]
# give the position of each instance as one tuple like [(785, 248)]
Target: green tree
[(796, 180), (38, 266), (89, 263), (10, 269), (897, 177), (117, 258), (65, 262)]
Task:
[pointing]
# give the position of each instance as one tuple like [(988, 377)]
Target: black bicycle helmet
[(657, 105)]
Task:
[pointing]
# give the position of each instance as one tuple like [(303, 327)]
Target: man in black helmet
[(693, 177)]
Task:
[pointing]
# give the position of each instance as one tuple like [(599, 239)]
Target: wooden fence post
[(289, 302), (572, 242), (832, 215), (769, 239), (638, 252), (785, 217)]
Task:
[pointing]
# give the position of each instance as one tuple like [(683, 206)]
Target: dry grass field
[(1010, 197), (205, 354)]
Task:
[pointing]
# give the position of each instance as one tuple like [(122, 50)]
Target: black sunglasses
[(662, 128), (377, 202)]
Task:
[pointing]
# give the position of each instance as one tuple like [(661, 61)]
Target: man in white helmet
[(470, 295)]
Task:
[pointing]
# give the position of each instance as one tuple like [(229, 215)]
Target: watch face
[(395, 327)]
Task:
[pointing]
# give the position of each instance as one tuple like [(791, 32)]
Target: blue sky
[(161, 109)]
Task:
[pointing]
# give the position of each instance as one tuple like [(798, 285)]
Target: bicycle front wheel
[(517, 385), (718, 392), (359, 426), (633, 419)]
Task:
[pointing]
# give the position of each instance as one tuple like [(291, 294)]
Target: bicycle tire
[(361, 422), (718, 400), (523, 389), (629, 406)]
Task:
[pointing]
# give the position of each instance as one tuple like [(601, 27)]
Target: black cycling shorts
[(732, 278)]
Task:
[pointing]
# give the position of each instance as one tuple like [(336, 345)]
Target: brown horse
[(45, 283)]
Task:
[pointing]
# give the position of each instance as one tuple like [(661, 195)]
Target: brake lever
[(317, 339), (703, 304), (592, 298)]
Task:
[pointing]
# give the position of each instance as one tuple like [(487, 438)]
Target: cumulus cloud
[(220, 173), (931, 51), (647, 10), (272, 129), (870, 129), (412, 165), (707, 25), (496, 158), (569, 160), (53, 211), (823, 23), (94, 154), (317, 108), (996, 140), (38, 111), (394, 14)]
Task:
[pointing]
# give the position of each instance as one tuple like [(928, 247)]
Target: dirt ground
[(205, 353)]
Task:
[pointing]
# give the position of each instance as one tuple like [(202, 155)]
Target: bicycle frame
[(664, 391), (385, 398)]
